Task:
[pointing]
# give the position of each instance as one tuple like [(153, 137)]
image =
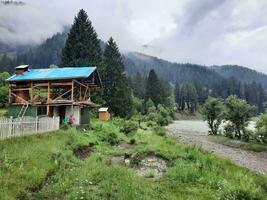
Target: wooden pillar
[(80, 93), (31, 92), (72, 95), (48, 99), (72, 91)]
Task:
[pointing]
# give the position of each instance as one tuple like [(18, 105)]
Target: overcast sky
[(210, 32)]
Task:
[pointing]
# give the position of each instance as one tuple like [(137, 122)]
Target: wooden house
[(62, 92)]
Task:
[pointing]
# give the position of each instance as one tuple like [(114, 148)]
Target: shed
[(104, 114)]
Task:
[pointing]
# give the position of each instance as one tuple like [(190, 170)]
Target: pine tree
[(138, 85), (153, 88), (82, 47), (117, 92), (177, 94)]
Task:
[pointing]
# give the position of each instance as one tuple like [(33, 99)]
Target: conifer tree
[(153, 88), (117, 92), (82, 47)]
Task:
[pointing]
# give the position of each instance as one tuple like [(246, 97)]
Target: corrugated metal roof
[(22, 66), (103, 109), (54, 73)]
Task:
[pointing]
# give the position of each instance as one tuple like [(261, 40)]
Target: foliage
[(139, 85), (186, 97), (82, 47), (153, 88), (117, 92), (261, 127), (111, 138), (3, 88), (129, 127), (229, 130), (160, 131), (212, 112), (238, 112)]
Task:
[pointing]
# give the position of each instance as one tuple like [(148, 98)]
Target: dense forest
[(49, 52)]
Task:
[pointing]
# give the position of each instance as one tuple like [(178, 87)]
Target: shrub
[(212, 113), (129, 127), (262, 128), (163, 121), (229, 130), (151, 123), (159, 131), (112, 139), (247, 135), (132, 141)]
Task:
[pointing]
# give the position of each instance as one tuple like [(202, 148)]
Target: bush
[(151, 123), (132, 141), (247, 135), (112, 139), (262, 128), (159, 131), (129, 127), (229, 131), (163, 121)]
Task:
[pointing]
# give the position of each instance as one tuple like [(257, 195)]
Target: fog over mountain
[(207, 32)]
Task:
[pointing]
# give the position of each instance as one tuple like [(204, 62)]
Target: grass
[(251, 146), (188, 116), (3, 111), (44, 167)]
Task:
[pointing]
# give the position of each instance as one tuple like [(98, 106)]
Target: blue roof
[(54, 73)]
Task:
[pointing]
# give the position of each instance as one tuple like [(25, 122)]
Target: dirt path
[(195, 132)]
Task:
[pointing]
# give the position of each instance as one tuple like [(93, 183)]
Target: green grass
[(251, 146), (44, 167), (3, 111), (188, 116)]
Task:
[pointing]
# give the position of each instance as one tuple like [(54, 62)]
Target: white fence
[(17, 127)]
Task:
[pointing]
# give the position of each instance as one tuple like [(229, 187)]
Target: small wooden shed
[(104, 114)]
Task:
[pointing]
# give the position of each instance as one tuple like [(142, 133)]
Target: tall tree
[(82, 47), (238, 112), (117, 92), (138, 85), (212, 113), (153, 88)]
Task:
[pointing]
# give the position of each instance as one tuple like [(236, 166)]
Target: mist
[(208, 32)]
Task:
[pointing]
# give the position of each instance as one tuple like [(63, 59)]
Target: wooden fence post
[(10, 127), (36, 124)]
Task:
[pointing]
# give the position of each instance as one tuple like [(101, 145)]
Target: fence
[(17, 127)]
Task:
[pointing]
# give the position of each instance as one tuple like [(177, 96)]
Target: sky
[(208, 32)]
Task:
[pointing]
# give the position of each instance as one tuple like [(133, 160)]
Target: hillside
[(186, 73), (49, 53), (172, 72), (241, 73)]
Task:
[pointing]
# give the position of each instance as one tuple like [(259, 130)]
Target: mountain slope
[(241, 73), (49, 52), (172, 72)]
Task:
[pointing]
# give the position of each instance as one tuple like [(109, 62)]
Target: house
[(62, 92)]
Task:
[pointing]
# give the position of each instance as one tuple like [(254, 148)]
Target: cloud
[(205, 32)]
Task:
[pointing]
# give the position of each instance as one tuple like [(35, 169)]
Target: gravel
[(196, 132)]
